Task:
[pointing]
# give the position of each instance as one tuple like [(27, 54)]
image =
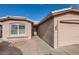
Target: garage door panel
[(68, 34)]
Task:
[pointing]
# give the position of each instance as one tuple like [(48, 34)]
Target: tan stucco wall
[(6, 31), (67, 34), (62, 35), (46, 32)]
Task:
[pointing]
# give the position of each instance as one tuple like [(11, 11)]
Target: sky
[(33, 11)]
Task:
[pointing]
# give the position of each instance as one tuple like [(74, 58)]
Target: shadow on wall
[(7, 49)]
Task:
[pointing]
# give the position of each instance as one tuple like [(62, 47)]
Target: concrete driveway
[(36, 46), (69, 50)]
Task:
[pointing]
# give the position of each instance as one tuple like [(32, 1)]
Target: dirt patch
[(7, 49)]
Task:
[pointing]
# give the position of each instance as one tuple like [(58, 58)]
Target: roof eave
[(45, 19), (58, 13)]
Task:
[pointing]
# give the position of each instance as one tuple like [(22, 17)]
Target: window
[(14, 29), (17, 29), (21, 29)]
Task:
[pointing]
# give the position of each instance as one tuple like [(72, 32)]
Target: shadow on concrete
[(7, 49)]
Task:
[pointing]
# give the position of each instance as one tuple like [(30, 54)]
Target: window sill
[(11, 37)]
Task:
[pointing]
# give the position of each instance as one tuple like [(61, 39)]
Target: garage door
[(68, 34)]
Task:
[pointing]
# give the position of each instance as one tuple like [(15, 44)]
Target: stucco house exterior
[(15, 28), (60, 27)]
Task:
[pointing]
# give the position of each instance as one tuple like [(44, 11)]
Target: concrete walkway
[(35, 46), (43, 47)]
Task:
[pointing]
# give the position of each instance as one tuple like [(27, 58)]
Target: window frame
[(17, 29)]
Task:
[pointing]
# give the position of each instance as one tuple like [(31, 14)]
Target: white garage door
[(68, 34)]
